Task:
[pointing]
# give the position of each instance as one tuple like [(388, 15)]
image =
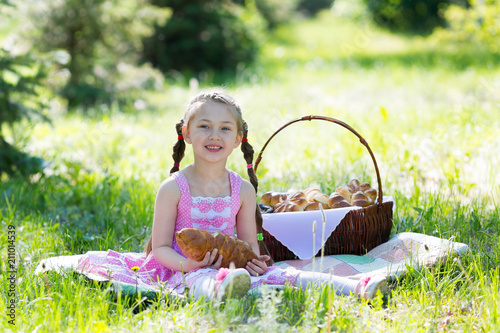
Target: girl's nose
[(214, 135)]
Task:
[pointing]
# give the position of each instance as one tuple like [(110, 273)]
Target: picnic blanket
[(392, 259)]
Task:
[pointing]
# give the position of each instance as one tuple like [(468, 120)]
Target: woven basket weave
[(359, 231)]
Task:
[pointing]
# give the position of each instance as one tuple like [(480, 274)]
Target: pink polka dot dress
[(209, 213)]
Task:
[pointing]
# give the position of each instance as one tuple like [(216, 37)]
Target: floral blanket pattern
[(391, 259)]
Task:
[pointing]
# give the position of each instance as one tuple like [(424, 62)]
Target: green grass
[(429, 112)]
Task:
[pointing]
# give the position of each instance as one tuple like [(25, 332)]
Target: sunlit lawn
[(430, 113)]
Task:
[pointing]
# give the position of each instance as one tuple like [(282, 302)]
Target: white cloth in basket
[(295, 229)]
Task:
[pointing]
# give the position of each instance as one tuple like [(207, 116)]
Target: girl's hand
[(257, 267), (207, 261)]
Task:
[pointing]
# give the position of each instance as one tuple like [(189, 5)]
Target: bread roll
[(354, 185), (289, 205), (341, 204), (293, 207), (298, 198), (195, 243), (364, 186), (337, 201), (361, 203), (314, 206), (272, 198), (277, 198), (323, 198), (265, 199), (334, 198), (360, 199), (359, 196), (345, 192), (371, 193), (310, 193), (280, 208)]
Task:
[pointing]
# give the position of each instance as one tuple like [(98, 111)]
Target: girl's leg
[(202, 286), (366, 287), (235, 284)]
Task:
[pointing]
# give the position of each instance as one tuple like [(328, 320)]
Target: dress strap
[(181, 180), (235, 180)]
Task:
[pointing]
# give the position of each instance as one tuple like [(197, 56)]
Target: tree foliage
[(479, 24), (276, 12), (203, 35), (410, 15), (20, 79), (98, 36), (312, 7)]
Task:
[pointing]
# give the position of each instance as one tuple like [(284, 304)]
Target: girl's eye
[(226, 129), (203, 126)]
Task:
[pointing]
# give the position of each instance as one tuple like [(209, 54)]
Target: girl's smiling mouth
[(213, 148)]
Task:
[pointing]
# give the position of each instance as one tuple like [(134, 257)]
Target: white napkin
[(294, 229)]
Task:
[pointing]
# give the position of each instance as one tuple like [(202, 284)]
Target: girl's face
[(213, 132)]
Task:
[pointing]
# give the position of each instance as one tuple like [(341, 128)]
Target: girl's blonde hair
[(214, 96), (247, 149)]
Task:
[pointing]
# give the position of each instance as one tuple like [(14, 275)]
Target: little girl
[(206, 195)]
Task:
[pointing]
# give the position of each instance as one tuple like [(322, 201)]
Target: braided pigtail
[(179, 147), (248, 153), (178, 155)]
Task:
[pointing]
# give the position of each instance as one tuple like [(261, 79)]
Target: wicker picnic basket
[(360, 231)]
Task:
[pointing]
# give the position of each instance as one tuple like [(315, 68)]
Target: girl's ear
[(237, 142), (185, 134)]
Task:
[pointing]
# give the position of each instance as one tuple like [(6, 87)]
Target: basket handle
[(338, 122)]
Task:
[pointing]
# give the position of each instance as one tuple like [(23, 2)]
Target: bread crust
[(353, 193), (195, 243)]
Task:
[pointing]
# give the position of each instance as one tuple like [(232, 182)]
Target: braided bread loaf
[(195, 243)]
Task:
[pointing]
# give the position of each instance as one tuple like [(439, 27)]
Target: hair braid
[(248, 153), (179, 147)]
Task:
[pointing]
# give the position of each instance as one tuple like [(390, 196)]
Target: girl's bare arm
[(246, 229)]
